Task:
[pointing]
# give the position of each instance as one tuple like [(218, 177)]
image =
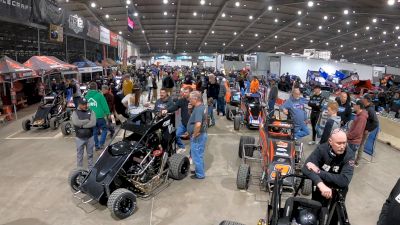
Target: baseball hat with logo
[(82, 101)]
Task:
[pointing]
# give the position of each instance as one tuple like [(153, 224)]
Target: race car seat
[(294, 204)]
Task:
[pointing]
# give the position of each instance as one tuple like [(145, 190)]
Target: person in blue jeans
[(210, 109), (295, 108), (272, 96), (197, 128), (98, 104)]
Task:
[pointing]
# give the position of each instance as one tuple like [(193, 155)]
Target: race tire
[(26, 125), (307, 187), (76, 177), (54, 123), (244, 140), (228, 112), (179, 166), (243, 177), (122, 203), (226, 222), (66, 128), (236, 122)]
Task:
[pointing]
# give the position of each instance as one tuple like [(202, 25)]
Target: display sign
[(47, 11), (56, 33), (113, 39), (309, 52), (206, 58), (75, 23), (184, 57), (92, 31), (131, 24), (19, 10), (104, 35)]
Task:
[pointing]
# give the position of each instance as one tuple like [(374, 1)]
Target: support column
[(38, 38), (66, 48), (84, 48)]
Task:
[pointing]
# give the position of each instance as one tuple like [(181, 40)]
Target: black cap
[(82, 101), (317, 86), (367, 97), (359, 103)]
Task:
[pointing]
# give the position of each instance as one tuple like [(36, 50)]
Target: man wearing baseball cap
[(84, 120)]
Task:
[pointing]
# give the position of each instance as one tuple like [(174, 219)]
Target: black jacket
[(273, 93), (372, 121), (168, 82), (213, 91), (336, 170), (344, 111), (390, 210), (182, 104), (316, 102)]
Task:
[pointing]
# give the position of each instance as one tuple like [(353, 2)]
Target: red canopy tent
[(48, 64), (11, 71)]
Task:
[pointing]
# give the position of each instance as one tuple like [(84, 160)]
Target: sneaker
[(180, 150), (311, 143), (195, 177)]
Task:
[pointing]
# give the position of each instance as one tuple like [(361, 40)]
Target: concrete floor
[(34, 167)]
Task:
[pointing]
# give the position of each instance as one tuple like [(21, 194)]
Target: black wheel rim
[(68, 128), (125, 205), (79, 179)]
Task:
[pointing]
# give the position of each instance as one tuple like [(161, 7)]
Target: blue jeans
[(179, 132), (211, 114), (149, 89), (101, 124), (271, 107), (300, 130), (221, 105), (197, 147)]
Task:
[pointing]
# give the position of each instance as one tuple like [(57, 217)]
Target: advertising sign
[(19, 10), (113, 39), (104, 35), (93, 31), (75, 23), (56, 33)]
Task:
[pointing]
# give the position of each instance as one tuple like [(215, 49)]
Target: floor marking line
[(151, 212), (15, 133), (58, 135), (30, 138)]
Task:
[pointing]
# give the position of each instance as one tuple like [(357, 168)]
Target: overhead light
[(205, 43), (241, 45), (383, 41), (101, 8), (298, 23), (186, 43), (212, 32), (256, 35), (165, 13), (355, 48), (299, 12), (259, 46), (250, 17), (237, 4), (166, 43), (355, 34), (310, 3), (327, 43), (107, 16), (148, 43), (120, 32), (93, 5), (165, 1), (341, 46), (223, 44), (143, 31), (202, 2), (377, 53), (276, 20), (366, 50), (269, 8), (276, 36), (370, 38), (311, 41), (345, 12), (135, 14), (190, 31), (234, 33), (390, 2), (223, 15), (320, 27), (367, 27), (397, 27), (338, 31), (348, 22), (374, 20), (384, 32), (325, 17), (128, 2), (395, 45), (294, 39), (194, 13), (166, 31)]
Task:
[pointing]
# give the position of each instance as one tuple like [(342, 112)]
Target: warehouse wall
[(392, 70), (300, 66)]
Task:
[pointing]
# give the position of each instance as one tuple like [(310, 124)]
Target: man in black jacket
[(345, 110), (84, 120), (372, 124), (315, 103), (168, 84), (182, 103), (330, 166), (391, 208), (272, 96)]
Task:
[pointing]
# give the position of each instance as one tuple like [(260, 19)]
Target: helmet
[(306, 217)]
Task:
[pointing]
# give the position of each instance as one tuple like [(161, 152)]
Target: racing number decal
[(285, 169)]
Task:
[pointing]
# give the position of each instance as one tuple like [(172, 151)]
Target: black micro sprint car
[(51, 112), (250, 112), (134, 167), (234, 104)]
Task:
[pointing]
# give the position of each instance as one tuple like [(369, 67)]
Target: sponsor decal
[(326, 167), (92, 102), (398, 198), (282, 144), (281, 149), (76, 23), (16, 4), (166, 123), (282, 154), (336, 169)]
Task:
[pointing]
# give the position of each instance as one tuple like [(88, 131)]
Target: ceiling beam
[(219, 13), (140, 25), (178, 13), (288, 24)]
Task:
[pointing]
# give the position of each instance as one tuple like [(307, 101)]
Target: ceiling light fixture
[(298, 23), (223, 44), (276, 36), (107, 16), (355, 48), (276, 20), (269, 8), (128, 2), (135, 14), (341, 46), (166, 43), (377, 53), (190, 31), (367, 27), (120, 32), (370, 38), (338, 31), (212, 32), (194, 13), (355, 35), (202, 2), (310, 3), (348, 22), (384, 32), (237, 4), (93, 5), (320, 27), (294, 39), (374, 20), (259, 46), (327, 43), (255, 35), (166, 31), (325, 17), (234, 33), (143, 31), (250, 17), (346, 11), (390, 2), (366, 50), (165, 13), (165, 1), (241, 45), (299, 12), (223, 15), (205, 43), (311, 41)]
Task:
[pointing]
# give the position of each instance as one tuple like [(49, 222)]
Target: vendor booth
[(13, 75), (87, 68)]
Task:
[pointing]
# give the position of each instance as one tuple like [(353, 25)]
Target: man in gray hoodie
[(84, 120), (221, 97)]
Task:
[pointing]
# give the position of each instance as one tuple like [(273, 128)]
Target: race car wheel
[(307, 187), (76, 177), (26, 125), (245, 140), (66, 128), (179, 166), (54, 123), (236, 122), (243, 177), (228, 112), (226, 222), (122, 203)]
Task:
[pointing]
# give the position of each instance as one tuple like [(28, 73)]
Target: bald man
[(329, 166), (294, 107)]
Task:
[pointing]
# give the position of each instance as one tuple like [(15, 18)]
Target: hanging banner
[(56, 33), (104, 35), (19, 10), (93, 31), (75, 24), (47, 11), (113, 39)]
